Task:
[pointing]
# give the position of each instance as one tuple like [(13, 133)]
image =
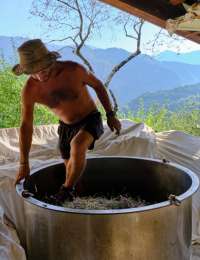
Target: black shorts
[(92, 123)]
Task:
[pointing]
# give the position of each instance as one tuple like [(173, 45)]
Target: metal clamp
[(165, 160), (27, 194), (173, 200)]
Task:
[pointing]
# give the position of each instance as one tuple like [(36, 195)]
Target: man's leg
[(77, 161)]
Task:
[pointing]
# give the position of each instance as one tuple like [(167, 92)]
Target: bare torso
[(65, 92)]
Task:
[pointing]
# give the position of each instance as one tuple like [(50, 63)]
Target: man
[(61, 86)]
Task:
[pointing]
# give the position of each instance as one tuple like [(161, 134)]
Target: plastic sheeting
[(134, 140), (10, 248)]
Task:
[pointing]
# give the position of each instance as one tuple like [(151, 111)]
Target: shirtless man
[(61, 86)]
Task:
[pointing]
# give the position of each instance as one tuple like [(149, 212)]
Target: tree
[(82, 19), (79, 19), (135, 33)]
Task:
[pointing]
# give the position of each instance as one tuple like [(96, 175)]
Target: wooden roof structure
[(156, 12)]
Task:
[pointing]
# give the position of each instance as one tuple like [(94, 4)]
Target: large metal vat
[(160, 231)]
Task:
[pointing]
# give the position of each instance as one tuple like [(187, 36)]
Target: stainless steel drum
[(159, 231)]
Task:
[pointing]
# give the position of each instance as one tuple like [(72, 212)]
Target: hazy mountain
[(173, 99), (141, 75), (189, 58)]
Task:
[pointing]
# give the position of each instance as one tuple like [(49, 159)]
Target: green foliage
[(162, 119), (9, 97), (187, 119), (10, 105), (174, 99), (43, 116)]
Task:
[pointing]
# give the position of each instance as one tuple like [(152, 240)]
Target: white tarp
[(10, 248), (134, 140)]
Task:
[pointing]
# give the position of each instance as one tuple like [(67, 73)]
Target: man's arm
[(25, 135), (102, 94)]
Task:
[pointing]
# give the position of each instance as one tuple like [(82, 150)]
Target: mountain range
[(141, 75), (189, 57), (187, 98)]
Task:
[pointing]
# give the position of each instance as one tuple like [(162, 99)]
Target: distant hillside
[(174, 99), (142, 74), (189, 58)]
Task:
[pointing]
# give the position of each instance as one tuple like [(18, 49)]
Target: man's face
[(42, 75)]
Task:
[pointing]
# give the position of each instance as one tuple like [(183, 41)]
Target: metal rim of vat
[(193, 188)]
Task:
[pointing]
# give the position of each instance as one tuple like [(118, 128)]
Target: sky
[(16, 20)]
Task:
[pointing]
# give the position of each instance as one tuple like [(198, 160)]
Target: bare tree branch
[(67, 4), (126, 31), (117, 67), (137, 29), (114, 101), (81, 21), (61, 40)]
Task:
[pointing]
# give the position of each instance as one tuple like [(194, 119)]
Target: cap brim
[(17, 70), (55, 55)]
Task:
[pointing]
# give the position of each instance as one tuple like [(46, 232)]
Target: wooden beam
[(193, 36), (130, 7), (135, 11), (176, 2)]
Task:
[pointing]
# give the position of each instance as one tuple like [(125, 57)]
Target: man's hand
[(24, 172), (114, 124)]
